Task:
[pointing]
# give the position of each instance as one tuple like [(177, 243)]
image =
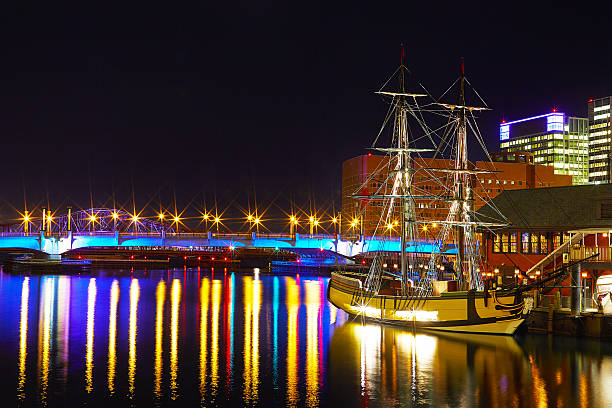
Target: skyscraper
[(554, 139), (599, 140)]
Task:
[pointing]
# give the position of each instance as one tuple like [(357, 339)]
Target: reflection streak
[(293, 304), (313, 303), (175, 300), (204, 290), (23, 335), (91, 310), (112, 335), (214, 347), (134, 296), (44, 337), (160, 296)]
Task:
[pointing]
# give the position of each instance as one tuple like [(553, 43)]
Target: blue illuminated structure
[(554, 123)]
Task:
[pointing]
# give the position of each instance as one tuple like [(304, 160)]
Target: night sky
[(229, 98)]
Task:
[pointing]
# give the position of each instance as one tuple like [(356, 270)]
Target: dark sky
[(229, 97)]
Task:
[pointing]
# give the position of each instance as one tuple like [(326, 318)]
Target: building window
[(556, 241), (505, 243), (525, 242), (534, 244), (513, 243), (543, 244), (496, 244)]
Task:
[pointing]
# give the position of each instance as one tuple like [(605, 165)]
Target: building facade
[(555, 139), (599, 140), (512, 170)]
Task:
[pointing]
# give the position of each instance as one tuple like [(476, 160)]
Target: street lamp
[(256, 221), (217, 220), (311, 222)]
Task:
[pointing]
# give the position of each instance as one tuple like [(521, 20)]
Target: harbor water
[(191, 337)]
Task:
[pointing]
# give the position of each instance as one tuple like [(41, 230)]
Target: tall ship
[(421, 294)]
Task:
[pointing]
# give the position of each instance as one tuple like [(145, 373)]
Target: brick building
[(513, 170)]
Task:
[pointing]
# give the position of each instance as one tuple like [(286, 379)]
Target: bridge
[(102, 227)]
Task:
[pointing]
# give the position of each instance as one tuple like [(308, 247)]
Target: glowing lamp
[(516, 271), (395, 266), (176, 219), (249, 217), (49, 218), (434, 225), (92, 218), (538, 273), (389, 226), (292, 219), (135, 218), (316, 222), (161, 216), (206, 217), (384, 265), (334, 220), (115, 215), (26, 218), (217, 219), (496, 271), (584, 274), (256, 220), (311, 219)]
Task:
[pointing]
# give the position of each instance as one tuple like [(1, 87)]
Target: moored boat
[(417, 297)]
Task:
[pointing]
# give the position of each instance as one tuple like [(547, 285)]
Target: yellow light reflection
[(63, 327), (134, 296), (293, 304), (91, 310), (23, 337), (313, 305), (159, 336), (214, 327), (112, 335), (45, 330), (204, 290), (248, 301), (176, 301), (252, 304)]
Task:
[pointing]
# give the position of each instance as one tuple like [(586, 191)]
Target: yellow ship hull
[(494, 312)]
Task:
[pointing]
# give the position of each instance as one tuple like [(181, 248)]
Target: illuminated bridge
[(102, 227)]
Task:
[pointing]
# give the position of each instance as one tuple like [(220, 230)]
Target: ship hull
[(497, 312)]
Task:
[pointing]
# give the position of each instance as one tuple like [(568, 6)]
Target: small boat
[(417, 297)]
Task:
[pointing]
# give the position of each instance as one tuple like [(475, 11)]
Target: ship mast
[(461, 176), (407, 212)]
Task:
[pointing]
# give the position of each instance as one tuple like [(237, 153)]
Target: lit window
[(554, 123), (504, 132)]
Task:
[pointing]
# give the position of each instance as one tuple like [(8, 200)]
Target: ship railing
[(604, 254)]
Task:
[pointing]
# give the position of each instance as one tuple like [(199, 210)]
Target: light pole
[(311, 222)]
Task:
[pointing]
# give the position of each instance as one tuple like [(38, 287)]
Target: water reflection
[(285, 346), (175, 301), (45, 330), (252, 301), (293, 304), (160, 295), (23, 336), (134, 296), (204, 293), (63, 328), (313, 305), (91, 310)]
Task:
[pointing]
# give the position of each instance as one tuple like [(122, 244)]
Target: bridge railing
[(19, 234)]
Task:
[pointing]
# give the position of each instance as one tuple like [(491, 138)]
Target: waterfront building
[(555, 139), (599, 140), (513, 170), (547, 223)]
